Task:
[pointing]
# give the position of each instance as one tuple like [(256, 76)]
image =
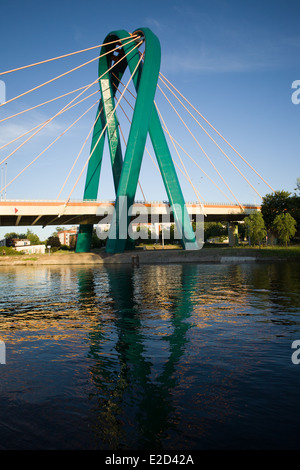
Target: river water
[(166, 357)]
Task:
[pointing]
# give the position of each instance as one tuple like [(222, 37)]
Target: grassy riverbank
[(280, 252), (157, 256)]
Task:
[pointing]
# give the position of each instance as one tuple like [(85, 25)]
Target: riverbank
[(158, 256)]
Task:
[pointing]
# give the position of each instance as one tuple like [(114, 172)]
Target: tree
[(255, 228), (294, 208), (32, 237), (297, 188), (285, 227), (15, 235), (274, 204), (215, 230), (281, 202), (53, 242)]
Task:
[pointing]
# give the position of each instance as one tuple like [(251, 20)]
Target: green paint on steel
[(145, 119)]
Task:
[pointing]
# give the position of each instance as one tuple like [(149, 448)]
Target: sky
[(235, 61)]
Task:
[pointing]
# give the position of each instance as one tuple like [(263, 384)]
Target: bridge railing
[(110, 201)]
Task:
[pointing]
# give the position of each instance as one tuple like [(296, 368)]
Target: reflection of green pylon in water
[(128, 380), (145, 119)]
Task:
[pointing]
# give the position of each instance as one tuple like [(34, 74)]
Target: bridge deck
[(27, 213)]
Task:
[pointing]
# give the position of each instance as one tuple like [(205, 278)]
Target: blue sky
[(234, 60)]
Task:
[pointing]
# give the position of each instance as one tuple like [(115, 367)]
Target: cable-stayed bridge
[(129, 79)]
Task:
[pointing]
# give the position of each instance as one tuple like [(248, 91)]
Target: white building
[(31, 249)]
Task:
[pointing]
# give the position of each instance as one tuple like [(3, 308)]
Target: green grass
[(280, 251), (275, 251)]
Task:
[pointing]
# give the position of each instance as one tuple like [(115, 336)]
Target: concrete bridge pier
[(233, 233)]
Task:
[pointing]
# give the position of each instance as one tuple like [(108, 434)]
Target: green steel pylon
[(145, 119)]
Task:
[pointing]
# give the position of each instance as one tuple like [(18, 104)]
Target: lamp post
[(3, 186), (5, 174)]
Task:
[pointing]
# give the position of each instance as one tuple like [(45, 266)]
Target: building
[(14, 242), (31, 249), (67, 237), (20, 244)]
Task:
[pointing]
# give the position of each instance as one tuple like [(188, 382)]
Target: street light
[(5, 180), (3, 187)]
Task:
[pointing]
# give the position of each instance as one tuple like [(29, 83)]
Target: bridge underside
[(15, 214), (44, 220)]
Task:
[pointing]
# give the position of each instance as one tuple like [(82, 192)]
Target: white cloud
[(10, 130), (153, 23), (206, 58)]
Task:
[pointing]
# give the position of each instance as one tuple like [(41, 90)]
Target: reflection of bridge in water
[(155, 342), (134, 389)]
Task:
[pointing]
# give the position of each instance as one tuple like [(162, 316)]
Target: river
[(165, 357)]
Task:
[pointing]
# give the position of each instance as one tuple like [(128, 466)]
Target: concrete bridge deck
[(30, 213)]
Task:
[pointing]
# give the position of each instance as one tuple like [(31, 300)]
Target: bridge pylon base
[(84, 238)]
